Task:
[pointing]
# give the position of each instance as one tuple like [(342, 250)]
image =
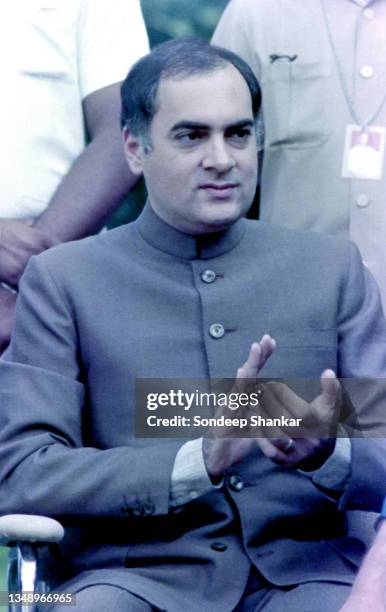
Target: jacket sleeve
[(44, 467), (362, 367)]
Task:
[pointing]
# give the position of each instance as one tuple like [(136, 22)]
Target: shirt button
[(216, 330), (208, 276), (368, 13), (366, 72), (219, 546), (362, 200), (236, 483)]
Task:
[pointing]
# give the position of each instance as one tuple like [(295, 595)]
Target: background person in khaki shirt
[(321, 65)]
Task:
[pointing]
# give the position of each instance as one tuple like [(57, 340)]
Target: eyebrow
[(197, 125)]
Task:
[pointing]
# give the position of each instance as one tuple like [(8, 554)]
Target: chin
[(218, 224), (225, 215)]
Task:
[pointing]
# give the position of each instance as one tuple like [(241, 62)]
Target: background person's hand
[(18, 241)]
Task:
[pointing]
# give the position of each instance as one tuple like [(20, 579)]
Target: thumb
[(330, 388)]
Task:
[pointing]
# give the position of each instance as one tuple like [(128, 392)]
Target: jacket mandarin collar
[(166, 238)]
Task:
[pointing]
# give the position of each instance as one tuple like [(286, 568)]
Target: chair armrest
[(29, 528)]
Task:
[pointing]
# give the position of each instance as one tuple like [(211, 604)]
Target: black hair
[(181, 57)]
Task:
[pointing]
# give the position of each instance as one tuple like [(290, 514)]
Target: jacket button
[(208, 276), (236, 483), (219, 546), (216, 330)]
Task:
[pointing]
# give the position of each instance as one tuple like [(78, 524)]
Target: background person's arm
[(99, 177), (93, 188), (110, 38), (369, 590)]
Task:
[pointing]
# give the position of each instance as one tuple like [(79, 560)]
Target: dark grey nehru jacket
[(94, 315)]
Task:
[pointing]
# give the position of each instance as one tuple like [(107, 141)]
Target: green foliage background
[(174, 18)]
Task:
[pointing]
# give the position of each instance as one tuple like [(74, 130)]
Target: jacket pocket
[(306, 338), (303, 355)]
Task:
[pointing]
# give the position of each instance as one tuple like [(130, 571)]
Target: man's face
[(201, 170)]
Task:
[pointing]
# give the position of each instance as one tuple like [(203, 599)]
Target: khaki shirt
[(306, 113)]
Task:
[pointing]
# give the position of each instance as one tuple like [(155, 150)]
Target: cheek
[(250, 169), (169, 172), (168, 185)]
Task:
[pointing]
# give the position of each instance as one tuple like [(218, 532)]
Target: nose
[(218, 155)]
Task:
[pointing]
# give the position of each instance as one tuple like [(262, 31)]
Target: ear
[(134, 151)]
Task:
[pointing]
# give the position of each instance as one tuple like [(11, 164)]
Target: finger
[(285, 444), (271, 451), (281, 400), (249, 369), (267, 346), (330, 389), (258, 355), (252, 364)]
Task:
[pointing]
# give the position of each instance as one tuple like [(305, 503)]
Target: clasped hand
[(307, 453)]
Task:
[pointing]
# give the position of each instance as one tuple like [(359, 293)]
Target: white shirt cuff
[(189, 478)]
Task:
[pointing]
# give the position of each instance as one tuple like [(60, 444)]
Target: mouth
[(219, 190)]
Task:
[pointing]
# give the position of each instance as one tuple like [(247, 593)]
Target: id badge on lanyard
[(364, 151)]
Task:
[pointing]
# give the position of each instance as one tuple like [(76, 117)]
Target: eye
[(239, 135), (189, 137)]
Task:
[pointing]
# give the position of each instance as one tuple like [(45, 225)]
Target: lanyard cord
[(350, 102)]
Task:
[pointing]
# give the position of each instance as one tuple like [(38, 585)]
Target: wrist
[(48, 234), (316, 461), (213, 466)]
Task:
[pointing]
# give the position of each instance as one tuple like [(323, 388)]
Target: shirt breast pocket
[(296, 103), (49, 41)]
